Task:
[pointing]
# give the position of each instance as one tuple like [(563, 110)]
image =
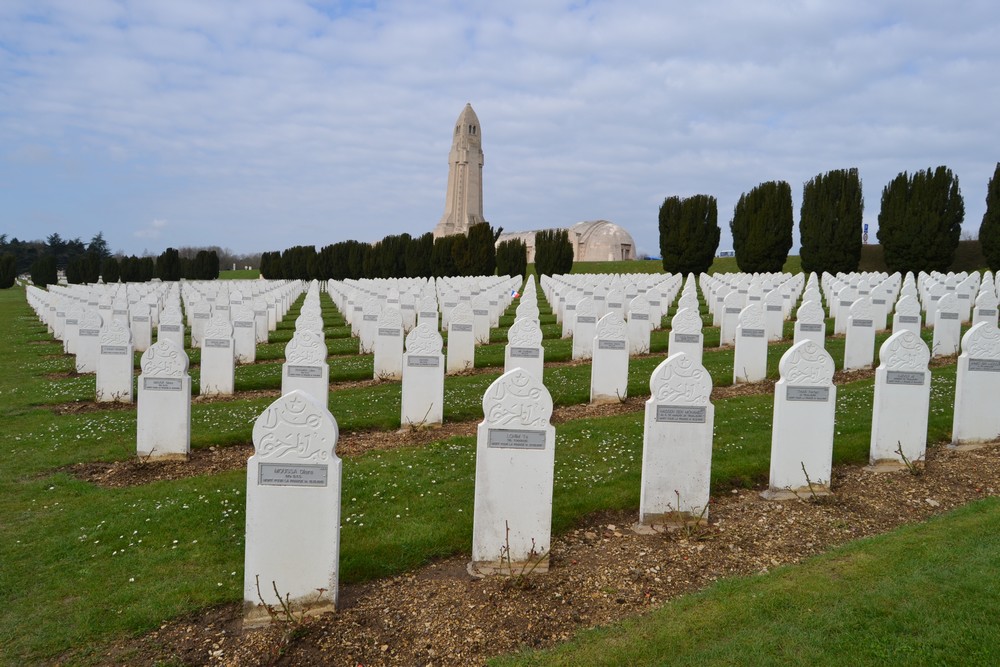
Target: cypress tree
[(482, 250), (553, 252), (830, 223), (920, 222), (762, 228), (110, 270), (512, 258), (8, 270), (418, 257), (689, 233), (989, 230), (168, 265), (442, 258), (44, 271)]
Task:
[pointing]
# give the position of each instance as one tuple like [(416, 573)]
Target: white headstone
[(686, 335), (810, 323), (947, 326), (902, 401), (461, 339), (389, 345), (524, 347), (750, 357), (859, 344), (976, 418), (805, 401), (171, 327), (244, 334), (423, 378), (88, 340), (907, 315), (732, 307), (305, 367), (677, 444), (293, 511), (218, 359), (163, 414), (609, 368), (515, 458), (114, 364), (639, 325), (584, 326)]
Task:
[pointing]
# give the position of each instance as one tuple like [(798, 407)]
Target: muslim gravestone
[(305, 367), (609, 368), (976, 419), (163, 413), (422, 400), (902, 401)]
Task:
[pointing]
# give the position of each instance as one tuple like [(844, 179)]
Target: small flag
[(514, 294)]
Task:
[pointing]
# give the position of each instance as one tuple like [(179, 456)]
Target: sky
[(259, 125)]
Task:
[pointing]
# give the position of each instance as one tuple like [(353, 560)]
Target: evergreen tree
[(168, 265), (147, 269), (989, 230), (442, 258), (689, 233), (553, 252), (512, 258), (418, 257), (920, 222), (212, 266), (76, 271), (8, 270), (481, 250), (762, 228), (128, 269), (110, 270), (44, 271), (830, 223)]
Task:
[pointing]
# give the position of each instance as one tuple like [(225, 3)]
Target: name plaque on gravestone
[(639, 316), (681, 414), (774, 309), (70, 320), (861, 323), (220, 306), (524, 352), (505, 438), (741, 291), (935, 297), (216, 342), (948, 316), (259, 313), (878, 302), (281, 474), (733, 311), (612, 304), (170, 328), (451, 304), (983, 312), (116, 312), (687, 338), (600, 298), (787, 297), (963, 296), (408, 306), (89, 332), (752, 333), (586, 319), (810, 327), (370, 318), (570, 306), (465, 297), (114, 349), (141, 318), (990, 365), (244, 324), (202, 316), (463, 328), (428, 315), (720, 299), (808, 394), (60, 313), (480, 312), (389, 332), (949, 288), (846, 304), (423, 361), (494, 303), (305, 371), (905, 377), (909, 319), (162, 384), (754, 298), (654, 302), (358, 309), (610, 344)]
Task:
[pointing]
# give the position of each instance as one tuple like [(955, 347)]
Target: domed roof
[(601, 241)]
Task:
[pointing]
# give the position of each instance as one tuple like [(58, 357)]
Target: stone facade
[(463, 204), (593, 241)]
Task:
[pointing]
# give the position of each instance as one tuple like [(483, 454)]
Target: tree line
[(920, 223)]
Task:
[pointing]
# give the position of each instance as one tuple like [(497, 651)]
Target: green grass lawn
[(82, 565)]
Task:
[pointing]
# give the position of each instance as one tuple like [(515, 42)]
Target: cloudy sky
[(263, 124)]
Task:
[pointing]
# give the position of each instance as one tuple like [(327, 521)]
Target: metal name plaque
[(948, 316), (505, 438), (754, 298), (586, 319), (408, 306), (260, 313), (202, 316), (809, 394), (846, 304), (114, 349), (905, 377), (244, 325), (612, 304), (370, 318), (422, 361), (89, 332), (216, 342), (862, 323), (451, 304), (639, 317), (305, 371), (116, 312), (70, 320), (654, 302), (570, 306), (610, 344), (162, 384), (811, 328), (480, 312), (752, 333), (428, 315), (733, 311), (170, 328), (878, 302), (221, 307), (389, 332), (774, 309), (600, 298), (982, 312), (935, 297), (681, 414), (909, 319), (141, 318), (687, 338), (991, 365), (282, 474), (461, 328), (963, 296), (524, 352)]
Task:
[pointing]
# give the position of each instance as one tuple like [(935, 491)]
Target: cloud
[(259, 125), (151, 231)]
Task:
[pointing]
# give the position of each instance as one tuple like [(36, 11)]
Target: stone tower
[(463, 205)]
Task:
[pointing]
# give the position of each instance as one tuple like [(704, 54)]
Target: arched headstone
[(88, 340), (163, 413), (609, 368), (750, 357), (218, 360), (388, 362), (114, 364), (305, 366), (902, 401), (685, 334), (524, 347), (976, 417), (422, 400)]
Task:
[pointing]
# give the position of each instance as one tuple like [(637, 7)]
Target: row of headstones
[(294, 494), (106, 347)]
